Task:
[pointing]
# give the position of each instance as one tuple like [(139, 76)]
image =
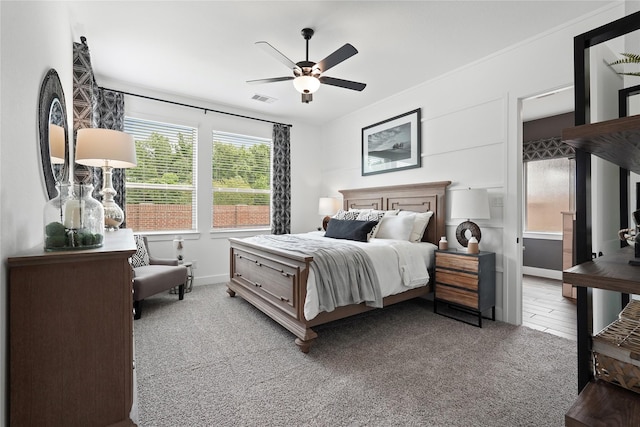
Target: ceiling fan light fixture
[(306, 84)]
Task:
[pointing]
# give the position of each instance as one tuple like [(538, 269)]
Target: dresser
[(71, 336), (466, 281)]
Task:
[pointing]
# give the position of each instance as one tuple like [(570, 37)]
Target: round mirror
[(52, 120)]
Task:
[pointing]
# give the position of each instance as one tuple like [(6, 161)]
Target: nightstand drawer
[(457, 296), (457, 262), (456, 278)]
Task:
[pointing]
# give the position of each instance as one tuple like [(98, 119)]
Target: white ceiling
[(205, 49)]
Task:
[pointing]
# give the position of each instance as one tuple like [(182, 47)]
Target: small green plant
[(629, 58)]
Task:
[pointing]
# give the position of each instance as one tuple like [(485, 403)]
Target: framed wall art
[(392, 145)]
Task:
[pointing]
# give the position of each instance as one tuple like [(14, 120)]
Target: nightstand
[(466, 282)]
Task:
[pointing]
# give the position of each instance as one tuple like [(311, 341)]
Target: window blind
[(161, 190), (241, 172)]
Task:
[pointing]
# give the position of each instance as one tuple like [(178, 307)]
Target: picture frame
[(392, 145)]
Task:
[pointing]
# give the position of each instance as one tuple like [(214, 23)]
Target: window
[(549, 188), (241, 171), (161, 191)]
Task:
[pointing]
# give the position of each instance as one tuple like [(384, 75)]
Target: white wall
[(37, 36), (209, 248), (472, 136), (29, 50)]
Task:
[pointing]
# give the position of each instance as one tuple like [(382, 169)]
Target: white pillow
[(420, 223), (395, 227), (374, 215)]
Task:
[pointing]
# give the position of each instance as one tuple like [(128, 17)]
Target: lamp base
[(461, 232), (325, 222), (113, 214)]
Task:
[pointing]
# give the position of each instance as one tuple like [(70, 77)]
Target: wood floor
[(545, 309)]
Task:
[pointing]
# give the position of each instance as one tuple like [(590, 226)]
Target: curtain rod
[(195, 106)]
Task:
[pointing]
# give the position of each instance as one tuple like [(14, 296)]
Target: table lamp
[(327, 206), (107, 149), (470, 203)]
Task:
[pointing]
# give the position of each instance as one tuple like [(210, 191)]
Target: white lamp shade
[(470, 204), (100, 147), (328, 205), (56, 144), (306, 84)]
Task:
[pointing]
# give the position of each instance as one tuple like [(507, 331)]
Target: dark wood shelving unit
[(604, 404), (601, 403), (617, 141)]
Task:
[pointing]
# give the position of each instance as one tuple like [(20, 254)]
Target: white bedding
[(399, 264)]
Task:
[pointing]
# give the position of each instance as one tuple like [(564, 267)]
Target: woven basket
[(616, 353), (631, 311)]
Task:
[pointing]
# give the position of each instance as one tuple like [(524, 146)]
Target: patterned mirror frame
[(50, 92)]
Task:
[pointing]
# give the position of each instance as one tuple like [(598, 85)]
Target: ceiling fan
[(308, 75)]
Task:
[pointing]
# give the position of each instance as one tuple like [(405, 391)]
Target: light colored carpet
[(213, 360)]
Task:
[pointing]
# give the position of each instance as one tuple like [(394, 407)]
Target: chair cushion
[(151, 279), (141, 257)]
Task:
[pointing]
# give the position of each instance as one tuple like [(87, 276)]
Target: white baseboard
[(208, 280), (542, 272)]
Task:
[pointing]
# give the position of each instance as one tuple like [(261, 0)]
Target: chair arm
[(162, 261)]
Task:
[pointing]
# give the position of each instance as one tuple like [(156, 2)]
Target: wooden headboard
[(428, 196)]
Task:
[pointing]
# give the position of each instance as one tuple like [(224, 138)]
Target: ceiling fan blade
[(271, 80), (277, 55), (345, 52), (347, 84)]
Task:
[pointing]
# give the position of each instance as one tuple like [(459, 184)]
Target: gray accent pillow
[(350, 229)]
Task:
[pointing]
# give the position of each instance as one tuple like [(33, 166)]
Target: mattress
[(399, 264)]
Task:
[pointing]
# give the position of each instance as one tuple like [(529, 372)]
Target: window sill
[(167, 236), (234, 232), (544, 236)]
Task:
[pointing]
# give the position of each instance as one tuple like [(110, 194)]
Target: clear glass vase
[(73, 219)]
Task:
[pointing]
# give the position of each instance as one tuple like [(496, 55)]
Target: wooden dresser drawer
[(457, 296), (457, 262), (456, 278)]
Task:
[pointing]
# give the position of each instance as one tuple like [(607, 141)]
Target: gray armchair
[(154, 275)]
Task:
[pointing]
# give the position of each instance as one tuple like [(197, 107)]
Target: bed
[(276, 281)]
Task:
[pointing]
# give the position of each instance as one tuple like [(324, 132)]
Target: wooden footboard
[(275, 281)]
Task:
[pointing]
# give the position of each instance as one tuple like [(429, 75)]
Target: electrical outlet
[(194, 264)]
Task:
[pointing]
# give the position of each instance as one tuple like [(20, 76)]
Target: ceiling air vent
[(263, 98)]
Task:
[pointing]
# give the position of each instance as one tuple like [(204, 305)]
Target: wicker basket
[(631, 311), (616, 353)]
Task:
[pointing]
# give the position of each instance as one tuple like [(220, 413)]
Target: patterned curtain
[(281, 186), (549, 148), (95, 108)]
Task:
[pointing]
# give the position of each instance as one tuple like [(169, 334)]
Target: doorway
[(548, 186)]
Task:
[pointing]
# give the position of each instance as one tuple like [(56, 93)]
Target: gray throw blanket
[(344, 273)]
